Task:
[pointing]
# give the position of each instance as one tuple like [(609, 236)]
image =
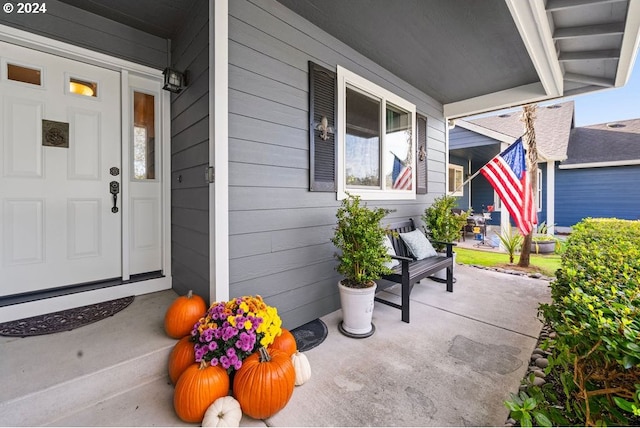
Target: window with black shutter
[(380, 155), (322, 125)]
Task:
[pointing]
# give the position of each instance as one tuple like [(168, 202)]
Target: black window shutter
[(322, 142), (421, 155)]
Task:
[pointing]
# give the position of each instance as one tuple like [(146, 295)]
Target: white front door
[(61, 154)]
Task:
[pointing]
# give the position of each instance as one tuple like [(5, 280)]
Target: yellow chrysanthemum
[(231, 320)]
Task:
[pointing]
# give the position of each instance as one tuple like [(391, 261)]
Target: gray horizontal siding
[(597, 192), (190, 157), (280, 232), (75, 26)]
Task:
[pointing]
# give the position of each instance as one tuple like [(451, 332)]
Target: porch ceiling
[(479, 56), (161, 18), (473, 56), (480, 155)]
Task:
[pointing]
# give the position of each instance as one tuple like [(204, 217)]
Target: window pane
[(399, 149), (144, 146), (83, 87), (452, 179), (362, 140), (456, 174), (539, 190), (24, 74)]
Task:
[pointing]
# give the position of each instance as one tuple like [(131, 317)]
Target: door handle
[(114, 189)]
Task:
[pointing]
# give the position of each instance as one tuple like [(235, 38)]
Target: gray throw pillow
[(418, 244), (392, 252)]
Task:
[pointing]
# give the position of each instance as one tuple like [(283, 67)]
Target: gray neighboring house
[(230, 186), (583, 172)]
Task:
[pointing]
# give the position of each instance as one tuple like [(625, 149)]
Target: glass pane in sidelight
[(144, 142)]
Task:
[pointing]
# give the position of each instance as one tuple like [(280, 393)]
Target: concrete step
[(49, 378), (149, 404)]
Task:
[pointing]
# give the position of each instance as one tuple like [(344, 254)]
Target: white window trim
[(539, 190), (460, 168), (346, 77)]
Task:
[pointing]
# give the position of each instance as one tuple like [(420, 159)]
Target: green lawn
[(547, 264)]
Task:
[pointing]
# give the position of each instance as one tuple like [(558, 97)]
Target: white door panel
[(57, 225)]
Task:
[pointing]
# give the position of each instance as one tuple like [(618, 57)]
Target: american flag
[(507, 174), (401, 174)]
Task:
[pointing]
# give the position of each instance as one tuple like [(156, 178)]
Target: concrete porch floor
[(456, 362)]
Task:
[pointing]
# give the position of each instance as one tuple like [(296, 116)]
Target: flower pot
[(357, 311), (543, 247), (442, 274)]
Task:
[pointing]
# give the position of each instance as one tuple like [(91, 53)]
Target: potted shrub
[(444, 225), (361, 259)]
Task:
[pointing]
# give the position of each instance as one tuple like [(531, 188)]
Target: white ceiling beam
[(613, 28), (589, 80), (532, 22), (509, 98), (556, 5), (630, 43), (589, 89), (586, 55)]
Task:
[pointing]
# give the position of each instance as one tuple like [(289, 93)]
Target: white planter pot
[(357, 311), (442, 274)]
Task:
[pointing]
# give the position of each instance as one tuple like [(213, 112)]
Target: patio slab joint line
[(468, 317)]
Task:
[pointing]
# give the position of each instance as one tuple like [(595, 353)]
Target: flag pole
[(478, 171)]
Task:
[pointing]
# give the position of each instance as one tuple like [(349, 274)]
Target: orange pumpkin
[(182, 356), (264, 384), (197, 388), (183, 313), (286, 342)]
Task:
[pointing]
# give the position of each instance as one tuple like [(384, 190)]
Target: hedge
[(596, 315)]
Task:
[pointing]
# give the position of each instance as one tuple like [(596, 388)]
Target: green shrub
[(596, 315), (442, 223), (360, 239)]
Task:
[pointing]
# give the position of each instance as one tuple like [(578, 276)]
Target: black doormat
[(310, 335), (63, 320)]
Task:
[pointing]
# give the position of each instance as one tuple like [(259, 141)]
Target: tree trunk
[(528, 117), (525, 252)]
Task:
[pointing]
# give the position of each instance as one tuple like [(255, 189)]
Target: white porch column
[(505, 219), (551, 196), (219, 150)]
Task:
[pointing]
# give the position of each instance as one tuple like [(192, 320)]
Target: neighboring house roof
[(606, 144), (553, 124)]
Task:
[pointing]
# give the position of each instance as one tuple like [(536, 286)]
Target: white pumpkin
[(224, 412), (302, 367)]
